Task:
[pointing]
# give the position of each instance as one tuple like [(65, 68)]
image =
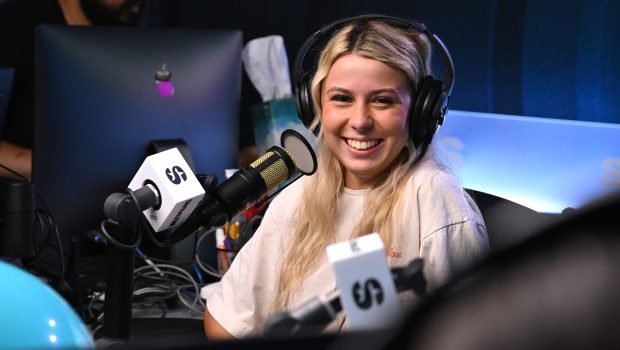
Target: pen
[(234, 231), (220, 244)]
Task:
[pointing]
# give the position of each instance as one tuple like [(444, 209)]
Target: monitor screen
[(99, 105), (544, 164)]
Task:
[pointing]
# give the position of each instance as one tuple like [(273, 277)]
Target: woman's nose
[(361, 117)]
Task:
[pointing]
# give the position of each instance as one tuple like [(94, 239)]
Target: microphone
[(313, 316), (245, 187), (181, 205), (369, 295), (166, 182)]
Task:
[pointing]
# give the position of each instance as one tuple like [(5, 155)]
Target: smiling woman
[(365, 116), (377, 108)]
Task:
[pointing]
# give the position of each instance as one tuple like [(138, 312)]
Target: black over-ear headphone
[(429, 107)]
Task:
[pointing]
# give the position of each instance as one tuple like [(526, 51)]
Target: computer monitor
[(99, 105)]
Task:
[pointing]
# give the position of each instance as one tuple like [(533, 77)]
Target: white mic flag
[(178, 188), (367, 290)]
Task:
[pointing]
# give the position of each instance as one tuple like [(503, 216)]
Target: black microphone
[(248, 185), (278, 164)]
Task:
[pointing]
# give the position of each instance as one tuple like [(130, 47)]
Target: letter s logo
[(176, 175), (364, 297)]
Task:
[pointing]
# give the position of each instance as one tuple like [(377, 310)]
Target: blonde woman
[(373, 177)]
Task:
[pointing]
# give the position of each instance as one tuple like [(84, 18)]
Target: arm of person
[(453, 235), (214, 329), (452, 249), (15, 158)]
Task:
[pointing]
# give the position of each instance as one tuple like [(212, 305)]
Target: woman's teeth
[(362, 145)]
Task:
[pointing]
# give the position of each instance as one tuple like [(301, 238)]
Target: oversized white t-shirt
[(440, 223)]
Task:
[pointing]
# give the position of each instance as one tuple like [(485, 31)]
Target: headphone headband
[(448, 78)]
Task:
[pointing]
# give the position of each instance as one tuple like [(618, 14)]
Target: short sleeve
[(243, 300)]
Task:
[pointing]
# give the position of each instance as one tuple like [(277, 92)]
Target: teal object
[(34, 316), (271, 118)]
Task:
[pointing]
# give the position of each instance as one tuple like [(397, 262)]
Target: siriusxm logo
[(368, 294), (176, 175)]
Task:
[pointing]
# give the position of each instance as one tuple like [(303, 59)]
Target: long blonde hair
[(408, 52)]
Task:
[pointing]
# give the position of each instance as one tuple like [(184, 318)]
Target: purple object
[(165, 88)]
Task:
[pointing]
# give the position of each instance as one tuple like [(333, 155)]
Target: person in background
[(18, 20), (370, 178)]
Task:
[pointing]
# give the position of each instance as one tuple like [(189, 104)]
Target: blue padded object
[(34, 316)]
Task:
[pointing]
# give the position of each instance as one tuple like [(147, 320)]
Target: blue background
[(543, 58), (517, 64)]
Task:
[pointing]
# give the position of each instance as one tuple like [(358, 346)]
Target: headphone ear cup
[(421, 114), (440, 110), (303, 98), (431, 119)]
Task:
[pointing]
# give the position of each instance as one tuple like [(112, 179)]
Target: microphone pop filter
[(300, 150)]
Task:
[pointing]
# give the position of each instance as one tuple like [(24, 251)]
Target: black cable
[(51, 226), (116, 243), (163, 309), (39, 213), (164, 261), (54, 226), (62, 255), (195, 244)]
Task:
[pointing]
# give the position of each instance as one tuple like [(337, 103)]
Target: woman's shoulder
[(440, 200), (438, 193), (430, 178)]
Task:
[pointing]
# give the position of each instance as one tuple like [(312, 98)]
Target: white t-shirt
[(440, 224)]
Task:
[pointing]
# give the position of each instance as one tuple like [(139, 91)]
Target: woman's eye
[(383, 100), (340, 98)]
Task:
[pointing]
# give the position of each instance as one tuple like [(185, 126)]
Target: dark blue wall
[(544, 58)]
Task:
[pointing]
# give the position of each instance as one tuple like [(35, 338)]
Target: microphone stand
[(120, 264), (124, 220), (311, 317)]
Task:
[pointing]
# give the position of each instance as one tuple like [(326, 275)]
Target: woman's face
[(364, 116)]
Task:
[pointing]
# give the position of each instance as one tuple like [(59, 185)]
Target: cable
[(207, 269), (178, 273), (51, 226), (197, 300), (96, 298), (39, 214), (198, 273), (55, 226), (44, 228), (147, 260), (116, 243), (157, 283)]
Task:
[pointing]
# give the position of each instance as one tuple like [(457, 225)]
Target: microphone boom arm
[(312, 316)]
